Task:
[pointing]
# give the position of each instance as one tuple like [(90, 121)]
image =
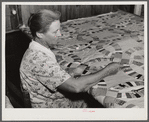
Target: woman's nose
[(58, 33)]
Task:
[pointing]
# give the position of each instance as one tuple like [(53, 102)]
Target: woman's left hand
[(77, 71)]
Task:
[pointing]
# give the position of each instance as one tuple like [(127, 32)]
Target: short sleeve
[(48, 72)]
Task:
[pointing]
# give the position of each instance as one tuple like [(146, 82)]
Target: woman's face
[(53, 33)]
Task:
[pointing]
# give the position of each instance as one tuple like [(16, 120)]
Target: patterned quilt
[(99, 40)]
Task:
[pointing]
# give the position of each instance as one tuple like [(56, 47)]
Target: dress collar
[(36, 46)]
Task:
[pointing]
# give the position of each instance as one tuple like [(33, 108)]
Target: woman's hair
[(40, 21)]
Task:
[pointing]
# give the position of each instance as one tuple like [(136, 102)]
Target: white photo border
[(73, 114)]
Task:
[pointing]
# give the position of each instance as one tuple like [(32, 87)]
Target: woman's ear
[(39, 35)]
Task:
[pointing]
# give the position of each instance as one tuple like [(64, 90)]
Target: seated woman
[(40, 73)]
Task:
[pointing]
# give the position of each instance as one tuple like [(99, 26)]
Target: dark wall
[(67, 11)]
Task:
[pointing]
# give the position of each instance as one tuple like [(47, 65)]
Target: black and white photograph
[(74, 60)]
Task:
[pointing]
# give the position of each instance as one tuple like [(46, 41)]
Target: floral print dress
[(41, 75)]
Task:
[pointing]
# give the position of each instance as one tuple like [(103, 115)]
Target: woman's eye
[(55, 32)]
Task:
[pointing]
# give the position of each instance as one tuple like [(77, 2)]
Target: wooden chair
[(18, 98)]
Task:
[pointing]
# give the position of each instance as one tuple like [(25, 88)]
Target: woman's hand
[(113, 68), (76, 72), (110, 69)]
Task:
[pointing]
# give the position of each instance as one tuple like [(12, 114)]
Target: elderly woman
[(40, 73)]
